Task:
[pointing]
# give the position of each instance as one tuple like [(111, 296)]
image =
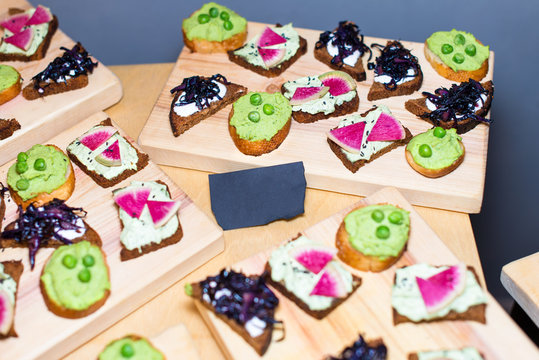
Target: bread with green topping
[(11, 83), (8, 127), (132, 347)]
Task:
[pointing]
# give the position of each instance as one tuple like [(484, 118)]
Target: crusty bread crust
[(12, 91), (8, 127), (378, 90), (13, 269), (259, 147), (181, 124), (208, 47), (357, 259), (357, 71), (62, 193), (434, 173), (448, 73), (30, 93)]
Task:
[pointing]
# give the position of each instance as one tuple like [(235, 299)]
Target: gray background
[(139, 31)]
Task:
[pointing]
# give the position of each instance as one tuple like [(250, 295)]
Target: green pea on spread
[(445, 150), (128, 348), (201, 25)]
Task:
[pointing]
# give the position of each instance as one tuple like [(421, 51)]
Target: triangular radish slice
[(271, 57), (387, 128), (162, 211), (270, 38), (22, 40), (441, 289), (15, 23), (132, 201), (313, 258), (348, 137), (41, 15), (330, 284)]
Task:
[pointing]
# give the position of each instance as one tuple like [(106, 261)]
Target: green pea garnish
[(127, 350), (21, 167), (395, 217), (88, 261), (228, 25), (268, 109), (203, 18), (425, 151), (214, 12), (84, 275), (224, 16), (459, 39), (382, 232), (40, 165), (377, 215), (255, 99), (439, 132), (470, 49), (22, 157), (447, 49), (22, 184), (188, 288), (254, 116), (458, 58), (69, 261)]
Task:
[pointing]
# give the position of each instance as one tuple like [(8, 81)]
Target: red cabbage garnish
[(359, 350), (395, 61), (35, 227), (347, 39), (456, 103), (199, 90)]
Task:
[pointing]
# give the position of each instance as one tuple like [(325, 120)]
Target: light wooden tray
[(368, 310), (44, 118), (176, 343), (43, 335), (208, 146)]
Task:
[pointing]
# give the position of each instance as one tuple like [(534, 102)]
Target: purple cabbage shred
[(395, 61), (199, 90), (347, 39), (360, 350)]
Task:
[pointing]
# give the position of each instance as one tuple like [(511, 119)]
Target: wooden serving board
[(208, 146), (43, 335), (368, 311), (176, 343), (44, 118)]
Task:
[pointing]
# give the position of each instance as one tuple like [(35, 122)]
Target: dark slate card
[(258, 196)]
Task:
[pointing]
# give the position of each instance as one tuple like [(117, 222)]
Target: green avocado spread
[(458, 49), (8, 76), (128, 348), (467, 353), (445, 150), (40, 33), (35, 179), (268, 125), (213, 29), (378, 230), (76, 276)]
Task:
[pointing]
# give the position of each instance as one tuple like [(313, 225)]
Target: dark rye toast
[(30, 92), (13, 269), (474, 313), (181, 124), (143, 160), (42, 48), (8, 127), (357, 71), (420, 109), (378, 90), (2, 207)]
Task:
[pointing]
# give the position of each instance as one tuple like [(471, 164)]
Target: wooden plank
[(208, 145), (368, 310), (521, 279), (176, 343), (44, 118), (133, 282)]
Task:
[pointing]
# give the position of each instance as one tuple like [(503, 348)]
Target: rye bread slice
[(102, 181), (357, 71), (378, 90), (354, 166), (274, 71), (420, 109), (373, 343), (474, 313), (42, 48), (13, 269), (181, 124), (31, 93), (8, 127)]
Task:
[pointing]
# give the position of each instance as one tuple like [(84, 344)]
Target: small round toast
[(448, 73), (12, 90), (434, 173)]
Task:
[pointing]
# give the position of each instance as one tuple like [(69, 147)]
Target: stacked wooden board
[(208, 146), (133, 282), (368, 310), (43, 118)]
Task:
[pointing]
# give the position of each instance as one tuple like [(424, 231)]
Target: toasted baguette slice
[(208, 47), (30, 93), (42, 48), (357, 71), (13, 90), (434, 173), (8, 127), (448, 73), (13, 269), (181, 124), (378, 90), (62, 193)]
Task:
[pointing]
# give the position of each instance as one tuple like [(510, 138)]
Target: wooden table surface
[(521, 279), (142, 85)]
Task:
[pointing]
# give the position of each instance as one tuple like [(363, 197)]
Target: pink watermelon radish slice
[(348, 137), (314, 258), (339, 82), (162, 211), (132, 200), (6, 312), (96, 137), (22, 39), (15, 23), (110, 156), (306, 94), (387, 128), (271, 57), (41, 15), (330, 284), (270, 38), (441, 289)]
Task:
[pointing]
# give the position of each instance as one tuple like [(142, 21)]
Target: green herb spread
[(214, 29), (128, 348), (8, 76), (445, 150)]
